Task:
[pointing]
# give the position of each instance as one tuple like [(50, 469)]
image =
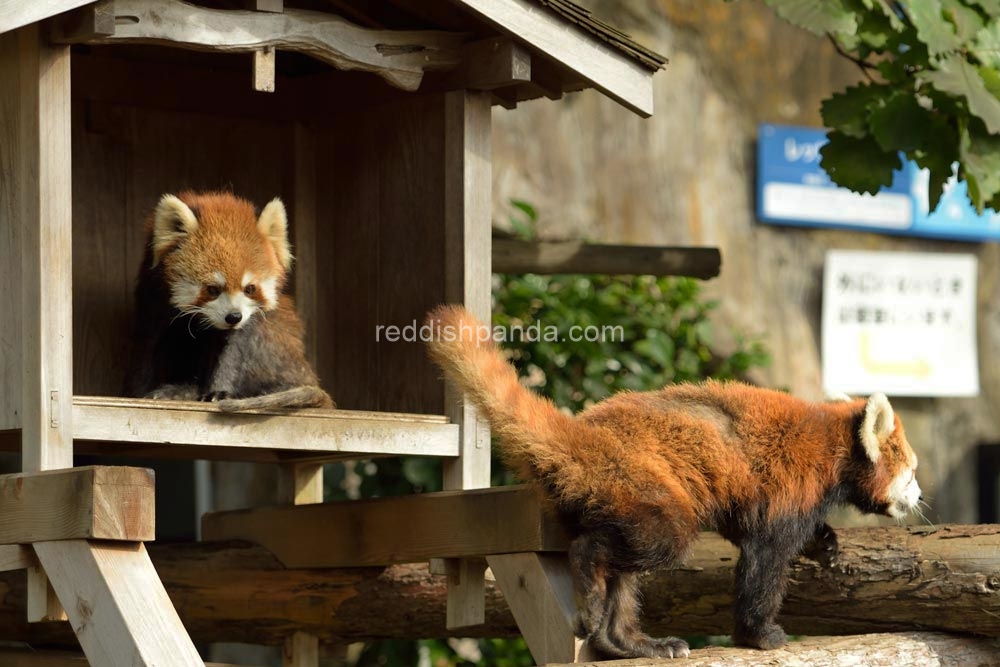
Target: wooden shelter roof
[(568, 47)]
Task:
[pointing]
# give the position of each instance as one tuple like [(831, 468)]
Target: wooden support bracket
[(93, 502), (407, 529), (539, 590), (399, 57), (116, 604), (263, 69)]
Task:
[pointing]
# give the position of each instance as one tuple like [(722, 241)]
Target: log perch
[(884, 580), (917, 649)]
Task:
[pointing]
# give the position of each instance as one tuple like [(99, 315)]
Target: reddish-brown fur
[(639, 474)]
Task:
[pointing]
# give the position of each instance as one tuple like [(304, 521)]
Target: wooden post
[(37, 132), (301, 484), (468, 201)]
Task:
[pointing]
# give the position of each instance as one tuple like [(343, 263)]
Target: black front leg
[(761, 578), (823, 546)]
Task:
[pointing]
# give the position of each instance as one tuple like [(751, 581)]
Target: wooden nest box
[(372, 121)]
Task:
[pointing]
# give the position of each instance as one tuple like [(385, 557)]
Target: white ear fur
[(172, 220), (273, 223), (838, 397), (877, 425)]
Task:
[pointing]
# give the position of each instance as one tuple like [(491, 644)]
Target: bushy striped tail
[(535, 437)]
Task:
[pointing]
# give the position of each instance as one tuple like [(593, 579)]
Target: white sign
[(900, 323)]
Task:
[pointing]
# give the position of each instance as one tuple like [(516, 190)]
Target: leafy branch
[(932, 90)]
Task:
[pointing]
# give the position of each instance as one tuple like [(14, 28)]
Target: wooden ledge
[(399, 57), (93, 502), (183, 429), (407, 529)]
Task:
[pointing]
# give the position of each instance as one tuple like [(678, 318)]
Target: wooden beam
[(86, 23), (468, 206), (93, 502), (513, 256), (317, 433), (399, 57), (489, 64), (17, 13), (16, 557), (238, 591), (33, 657), (274, 6), (301, 484), (116, 604), (611, 72), (448, 524)]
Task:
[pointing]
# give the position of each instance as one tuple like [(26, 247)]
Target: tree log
[(917, 649), (884, 579)]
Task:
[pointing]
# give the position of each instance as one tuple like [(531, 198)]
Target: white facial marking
[(227, 303), (269, 289), (904, 494), (184, 293)]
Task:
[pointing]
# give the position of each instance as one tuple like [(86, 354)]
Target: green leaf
[(991, 7), (956, 76), (901, 124), (848, 111), (820, 18), (985, 46), (937, 34), (980, 153), (967, 21), (858, 164)]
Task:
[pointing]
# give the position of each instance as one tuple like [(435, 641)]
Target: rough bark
[(884, 579), (917, 649)]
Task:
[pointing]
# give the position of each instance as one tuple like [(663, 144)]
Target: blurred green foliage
[(650, 331)]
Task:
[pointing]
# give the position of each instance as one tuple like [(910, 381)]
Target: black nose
[(234, 318)]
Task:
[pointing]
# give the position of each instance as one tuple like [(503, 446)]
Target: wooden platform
[(183, 429)]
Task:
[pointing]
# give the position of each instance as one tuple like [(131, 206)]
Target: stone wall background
[(686, 177)]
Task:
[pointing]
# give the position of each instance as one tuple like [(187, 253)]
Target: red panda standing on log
[(211, 322), (637, 476)]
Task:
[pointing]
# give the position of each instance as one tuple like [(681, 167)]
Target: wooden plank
[(513, 256), (398, 57), (301, 650), (539, 590), (99, 502), (17, 13), (276, 6), (263, 69), (303, 432), (468, 207), (611, 72), (117, 606), (449, 524)]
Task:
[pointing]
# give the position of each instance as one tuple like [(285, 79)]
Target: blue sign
[(792, 188)]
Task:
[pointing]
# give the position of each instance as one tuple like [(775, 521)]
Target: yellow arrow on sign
[(913, 368)]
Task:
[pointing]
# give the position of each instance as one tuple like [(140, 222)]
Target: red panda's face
[(221, 263), (891, 485)]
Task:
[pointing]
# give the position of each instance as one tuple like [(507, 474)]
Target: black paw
[(670, 647), (215, 396), (769, 637), (823, 546)]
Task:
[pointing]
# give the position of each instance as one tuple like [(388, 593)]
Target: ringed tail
[(535, 437), (296, 397)]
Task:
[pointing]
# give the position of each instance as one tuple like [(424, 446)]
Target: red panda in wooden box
[(211, 321), (636, 477)]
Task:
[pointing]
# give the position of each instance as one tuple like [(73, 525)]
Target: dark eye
[(213, 290), (250, 289)]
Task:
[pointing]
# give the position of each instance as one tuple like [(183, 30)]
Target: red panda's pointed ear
[(172, 221), (878, 424), (273, 223)]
